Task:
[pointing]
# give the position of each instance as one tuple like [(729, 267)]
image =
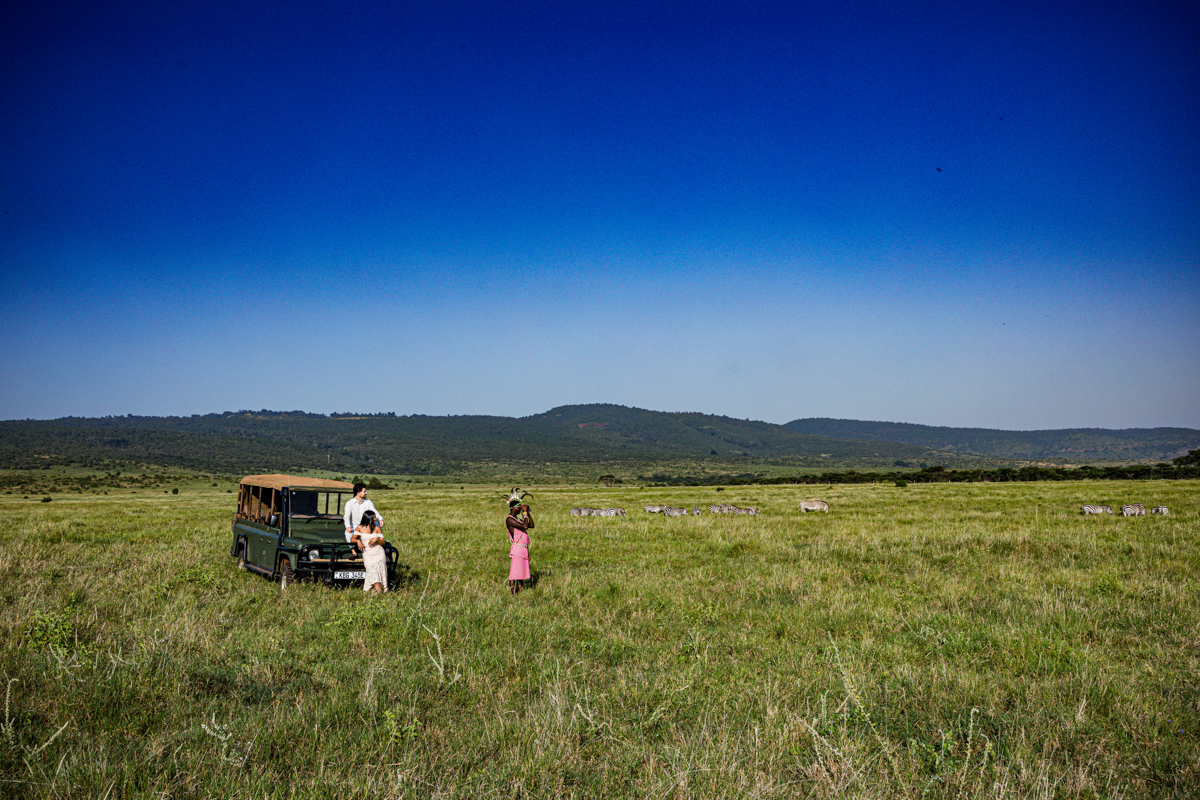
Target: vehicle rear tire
[(241, 562), (287, 575)]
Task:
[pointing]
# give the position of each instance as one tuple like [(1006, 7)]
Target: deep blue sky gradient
[(736, 208)]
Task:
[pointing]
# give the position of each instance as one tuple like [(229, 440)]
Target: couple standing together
[(364, 530)]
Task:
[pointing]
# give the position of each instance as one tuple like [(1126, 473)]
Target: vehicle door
[(262, 537)]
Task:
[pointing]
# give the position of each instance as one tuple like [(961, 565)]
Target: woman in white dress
[(369, 538)]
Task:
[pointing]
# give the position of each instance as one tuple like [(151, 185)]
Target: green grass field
[(942, 641)]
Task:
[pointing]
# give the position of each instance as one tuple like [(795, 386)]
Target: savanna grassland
[(945, 641)]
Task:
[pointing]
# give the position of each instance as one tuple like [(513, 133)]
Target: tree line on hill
[(1184, 468), (419, 445), (1073, 443), (600, 435)]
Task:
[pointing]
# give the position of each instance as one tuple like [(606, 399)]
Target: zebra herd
[(1127, 510), (597, 512), (676, 511), (716, 508), (725, 508)]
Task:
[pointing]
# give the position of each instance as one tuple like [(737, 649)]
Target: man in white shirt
[(355, 507)]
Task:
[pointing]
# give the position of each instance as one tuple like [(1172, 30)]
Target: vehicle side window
[(245, 510), (259, 503), (304, 504)]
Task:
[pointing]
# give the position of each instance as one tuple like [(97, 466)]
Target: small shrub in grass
[(46, 499), (901, 483), (361, 615), (49, 629)]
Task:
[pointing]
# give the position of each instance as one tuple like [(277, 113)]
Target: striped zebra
[(1160, 510), (696, 511), (674, 511), (1133, 510), (1097, 509), (654, 509), (751, 510), (814, 505), (597, 512)]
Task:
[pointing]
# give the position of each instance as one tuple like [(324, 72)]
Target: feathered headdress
[(516, 496)]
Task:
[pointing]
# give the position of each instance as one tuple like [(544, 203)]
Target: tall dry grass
[(954, 641)]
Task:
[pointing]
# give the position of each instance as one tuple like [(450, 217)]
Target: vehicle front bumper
[(337, 563)]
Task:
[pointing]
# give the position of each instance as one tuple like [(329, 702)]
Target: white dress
[(374, 561)]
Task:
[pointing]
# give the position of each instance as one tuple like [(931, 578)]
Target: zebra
[(674, 511), (654, 509), (1097, 509), (721, 508), (814, 505), (1133, 510), (696, 511), (1160, 510)]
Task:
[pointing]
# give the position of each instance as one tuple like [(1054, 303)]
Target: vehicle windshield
[(316, 505)]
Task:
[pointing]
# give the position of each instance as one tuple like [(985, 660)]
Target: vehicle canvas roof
[(298, 481)]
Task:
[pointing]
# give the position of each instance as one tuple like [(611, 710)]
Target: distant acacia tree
[(608, 480), (1192, 459)]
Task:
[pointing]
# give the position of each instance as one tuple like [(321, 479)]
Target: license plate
[(350, 575)]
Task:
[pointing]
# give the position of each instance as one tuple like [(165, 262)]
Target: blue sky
[(979, 214)]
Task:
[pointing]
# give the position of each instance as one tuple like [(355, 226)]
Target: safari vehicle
[(290, 528)]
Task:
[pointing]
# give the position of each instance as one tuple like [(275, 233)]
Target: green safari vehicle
[(290, 529)]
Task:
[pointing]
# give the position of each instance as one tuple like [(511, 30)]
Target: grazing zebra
[(1160, 510), (654, 509), (597, 512), (1097, 509), (723, 508), (1133, 510), (814, 505), (674, 511), (696, 511), (751, 510)]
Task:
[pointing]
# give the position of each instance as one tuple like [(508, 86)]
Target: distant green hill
[(249, 441), (1073, 443)]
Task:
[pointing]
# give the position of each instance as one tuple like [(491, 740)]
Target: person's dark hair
[(368, 519), (358, 487)]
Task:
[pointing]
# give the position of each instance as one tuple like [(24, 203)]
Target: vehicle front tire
[(287, 575)]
